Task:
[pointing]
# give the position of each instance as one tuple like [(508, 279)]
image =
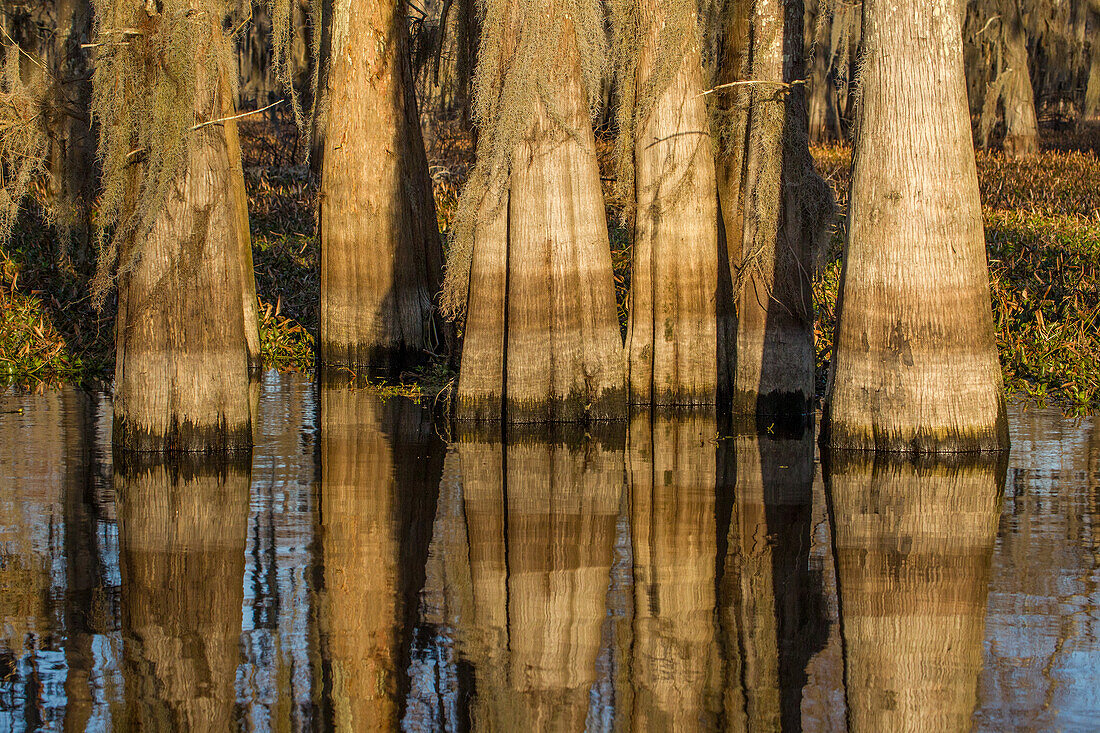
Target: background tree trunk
[(181, 537), (542, 341), (785, 211), (1090, 114), (381, 260), (914, 363), (672, 344), (914, 544), (182, 363), (1021, 124)]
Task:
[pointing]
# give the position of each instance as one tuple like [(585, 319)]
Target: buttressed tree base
[(915, 363)]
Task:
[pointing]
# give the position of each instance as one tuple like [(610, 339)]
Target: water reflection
[(664, 573), (380, 470), (913, 549), (181, 528)]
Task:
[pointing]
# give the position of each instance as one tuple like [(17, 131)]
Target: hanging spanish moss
[(24, 143), (144, 85), (515, 76)]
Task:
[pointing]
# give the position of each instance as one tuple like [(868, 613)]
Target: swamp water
[(363, 573)]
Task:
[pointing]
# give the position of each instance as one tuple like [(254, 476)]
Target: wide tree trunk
[(378, 497), (182, 360), (913, 544), (672, 344), (784, 210), (1021, 124), (914, 362), (381, 260), (542, 340), (181, 538)]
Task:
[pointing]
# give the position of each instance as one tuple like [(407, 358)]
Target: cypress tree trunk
[(914, 361), (1091, 113), (380, 253), (542, 341), (914, 542), (181, 536), (672, 344), (72, 154), (181, 370), (785, 208), (374, 539), (1021, 124)]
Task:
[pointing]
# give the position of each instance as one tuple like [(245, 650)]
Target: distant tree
[(666, 170), (1002, 41), (914, 363), (381, 260), (173, 225), (775, 208), (529, 263)]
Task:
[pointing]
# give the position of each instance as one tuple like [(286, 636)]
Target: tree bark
[(381, 260), (182, 363), (378, 497), (181, 536), (914, 543), (672, 344), (1021, 124), (785, 208), (915, 362), (1091, 113), (542, 341)]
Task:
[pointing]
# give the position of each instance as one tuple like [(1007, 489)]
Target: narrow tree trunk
[(913, 544), (380, 253), (542, 340), (819, 28), (785, 209), (374, 533), (182, 364), (181, 537), (914, 362), (1021, 124), (672, 344), (1090, 115), (72, 154)]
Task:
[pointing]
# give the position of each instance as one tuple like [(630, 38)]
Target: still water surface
[(365, 573)]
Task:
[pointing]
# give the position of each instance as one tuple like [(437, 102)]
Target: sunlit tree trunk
[(1090, 115), (181, 375), (774, 212), (378, 497), (381, 260), (1021, 125), (181, 536), (542, 340), (676, 668), (913, 549), (914, 363), (672, 344)]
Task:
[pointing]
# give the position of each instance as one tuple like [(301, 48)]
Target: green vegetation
[(1042, 218)]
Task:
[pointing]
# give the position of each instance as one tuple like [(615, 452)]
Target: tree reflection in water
[(913, 547), (181, 528)]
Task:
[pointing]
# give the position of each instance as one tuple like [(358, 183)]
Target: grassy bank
[(1042, 220)]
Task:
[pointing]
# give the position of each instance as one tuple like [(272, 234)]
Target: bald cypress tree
[(381, 260), (171, 211), (914, 363), (666, 169), (529, 265)]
